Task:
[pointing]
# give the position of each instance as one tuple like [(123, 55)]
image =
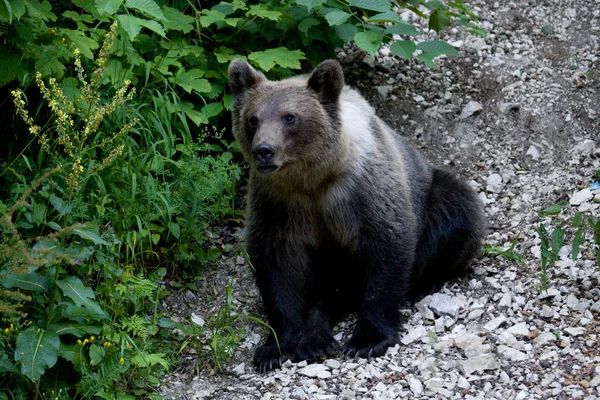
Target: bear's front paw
[(268, 357), (367, 347), (314, 347)]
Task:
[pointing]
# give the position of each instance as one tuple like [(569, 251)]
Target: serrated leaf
[(154, 26), (177, 21), (402, 29), (90, 235), (211, 17), (403, 48), (307, 23), (36, 350), (427, 59), (310, 4), (346, 32), (130, 24), (82, 42), (40, 9), (385, 17), (434, 5), (437, 48), (148, 7), (48, 63), (261, 12), (337, 17), (144, 359), (439, 19), (281, 56), (97, 354), (192, 80), (32, 281), (373, 5), (369, 41), (197, 117), (225, 55), (82, 296), (108, 7), (212, 110)]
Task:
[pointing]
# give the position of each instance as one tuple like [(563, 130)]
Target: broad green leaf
[(337, 17), (261, 12), (346, 32), (7, 366), (155, 237), (310, 4), (75, 329), (108, 7), (82, 296), (11, 10), (36, 350), (38, 213), (307, 23), (437, 48), (82, 42), (175, 229), (90, 235), (10, 65), (192, 80), (97, 354), (578, 220), (554, 209), (435, 5), (211, 17), (225, 55), (40, 10), (389, 16), (373, 5), (75, 354), (402, 29), (32, 281), (404, 48), (369, 41), (212, 110), (148, 7), (6, 13), (281, 56), (48, 63), (154, 26), (558, 239), (439, 19), (197, 117), (177, 21), (144, 359), (577, 240), (130, 24), (427, 59), (74, 312)]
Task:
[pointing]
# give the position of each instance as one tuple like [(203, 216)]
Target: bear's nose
[(264, 153)]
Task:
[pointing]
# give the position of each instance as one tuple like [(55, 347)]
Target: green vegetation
[(119, 161)]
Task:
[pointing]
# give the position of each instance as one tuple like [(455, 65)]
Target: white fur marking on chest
[(356, 115)]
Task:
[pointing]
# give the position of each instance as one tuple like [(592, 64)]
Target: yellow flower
[(121, 360), (6, 330), (79, 341), (85, 341), (92, 338)]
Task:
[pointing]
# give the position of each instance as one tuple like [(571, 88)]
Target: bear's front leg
[(293, 306), (389, 260)]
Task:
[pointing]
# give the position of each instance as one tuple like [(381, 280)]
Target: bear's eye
[(253, 121), (289, 119)]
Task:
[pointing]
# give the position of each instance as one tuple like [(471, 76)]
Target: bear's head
[(287, 128)]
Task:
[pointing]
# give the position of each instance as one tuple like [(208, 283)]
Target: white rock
[(494, 183), (519, 329), (480, 363), (512, 354), (313, 370), (584, 148), (239, 369), (442, 304), (414, 334), (384, 91), (419, 98), (415, 386), (543, 339), (505, 301), (551, 292), (581, 197), (465, 339), (471, 108), (434, 384), (332, 363), (578, 331), (572, 302), (494, 323), (197, 319), (533, 152), (546, 312)]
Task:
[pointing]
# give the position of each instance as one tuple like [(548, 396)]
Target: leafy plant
[(510, 253)]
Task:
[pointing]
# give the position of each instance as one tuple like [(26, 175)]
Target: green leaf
[(554, 209), (155, 237), (130, 24), (281, 56), (90, 235), (212, 109), (148, 7), (557, 240), (6, 13), (10, 65), (578, 220), (225, 55), (82, 296), (310, 4), (435, 5), (108, 7), (403, 48), (40, 10), (211, 17), (7, 366), (346, 32), (402, 29), (373, 5), (36, 350), (427, 59), (437, 48), (261, 12), (48, 62), (143, 360), (385, 17), (175, 229), (307, 23), (75, 329), (369, 41), (577, 240), (82, 42), (154, 26), (337, 17), (97, 354), (32, 281), (177, 21), (75, 354), (439, 19), (197, 117), (192, 80), (38, 213)]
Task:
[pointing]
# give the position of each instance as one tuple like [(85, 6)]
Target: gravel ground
[(518, 116)]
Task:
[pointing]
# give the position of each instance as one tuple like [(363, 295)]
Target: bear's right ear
[(327, 80), (243, 77)]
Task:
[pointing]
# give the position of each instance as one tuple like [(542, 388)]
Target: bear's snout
[(264, 154)]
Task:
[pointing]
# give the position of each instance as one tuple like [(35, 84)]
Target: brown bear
[(343, 214)]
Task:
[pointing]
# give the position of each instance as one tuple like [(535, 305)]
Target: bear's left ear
[(243, 77), (327, 80)]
